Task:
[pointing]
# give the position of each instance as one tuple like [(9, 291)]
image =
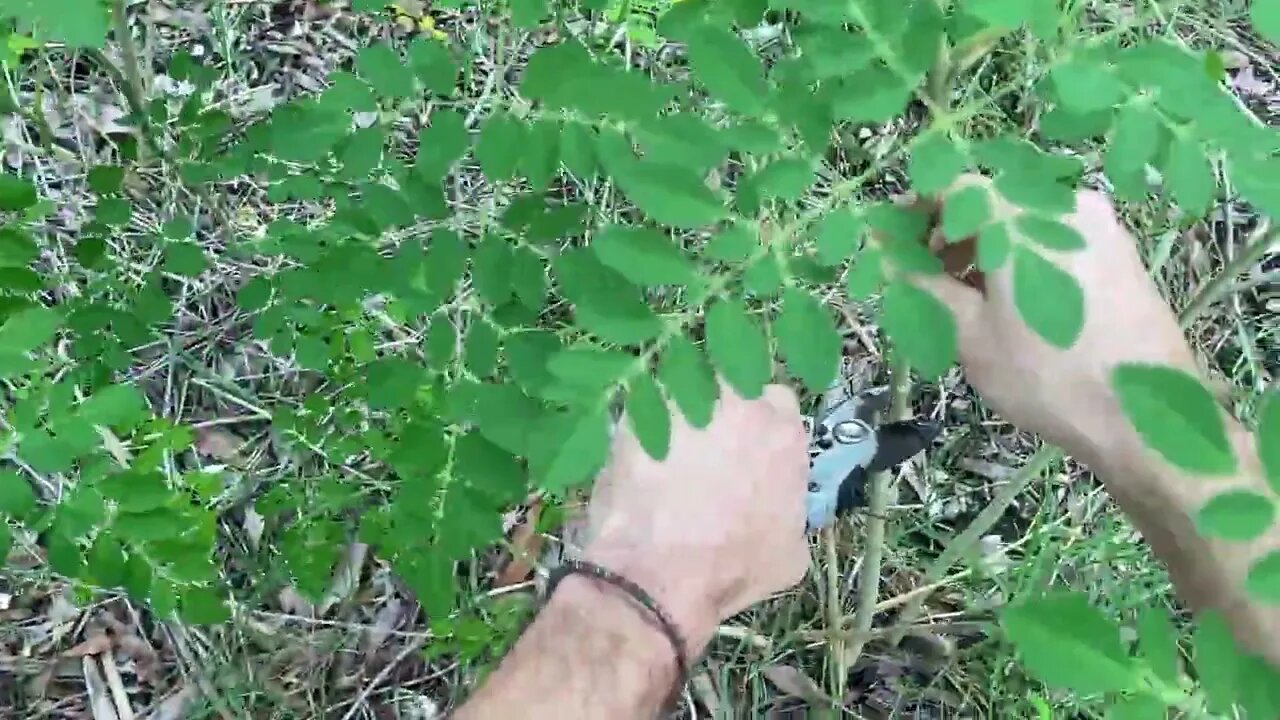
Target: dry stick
[(877, 507), (1255, 248)]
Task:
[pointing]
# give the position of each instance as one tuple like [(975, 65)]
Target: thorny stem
[(1259, 243)]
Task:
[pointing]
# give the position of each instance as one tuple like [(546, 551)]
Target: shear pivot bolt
[(851, 431)]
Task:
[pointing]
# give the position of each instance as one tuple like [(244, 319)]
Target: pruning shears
[(846, 445)]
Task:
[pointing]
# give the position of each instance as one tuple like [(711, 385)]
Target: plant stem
[(878, 490), (1262, 240), (836, 667), (134, 89)]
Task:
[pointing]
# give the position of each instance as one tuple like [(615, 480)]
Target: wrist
[(603, 608), (694, 612)]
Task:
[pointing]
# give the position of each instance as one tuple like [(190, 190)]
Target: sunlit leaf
[(1070, 644), (1236, 515), (649, 416), (728, 69), (644, 256), (1048, 299), (808, 340), (689, 381), (1176, 416), (738, 348), (921, 327)]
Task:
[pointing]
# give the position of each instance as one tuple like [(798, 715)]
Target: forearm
[(591, 653), (1163, 502)]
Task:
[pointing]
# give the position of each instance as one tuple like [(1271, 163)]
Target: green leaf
[(380, 66), (1069, 644), (1217, 660), (528, 278), (965, 212), (1263, 582), (577, 149), (866, 274), (1265, 16), (1267, 439), (480, 348), (506, 416), (1049, 233), (682, 139), (689, 380), (446, 259), (1086, 85), (1176, 416), (591, 367), (785, 179), (570, 449), (1007, 14), (733, 243), (29, 329), (528, 14), (1189, 176), (540, 156), (117, 406), (644, 256), (1236, 515), (500, 147), (604, 302), (1134, 139), (78, 23), (1158, 644), (434, 66), (808, 340), (17, 248), (1049, 299), (994, 246), (873, 95), (106, 179), (670, 194), (184, 258), (738, 348), (16, 193), (839, 234), (491, 268), (649, 415), (442, 144), (935, 163), (17, 499), (391, 383), (6, 542), (921, 327), (728, 69)]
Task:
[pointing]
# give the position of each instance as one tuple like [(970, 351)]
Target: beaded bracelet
[(637, 593)]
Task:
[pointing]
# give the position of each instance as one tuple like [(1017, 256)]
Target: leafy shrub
[(459, 357)]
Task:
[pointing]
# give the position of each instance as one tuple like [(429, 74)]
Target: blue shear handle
[(829, 470)]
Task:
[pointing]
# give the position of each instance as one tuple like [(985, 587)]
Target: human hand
[(719, 524), (1065, 395)]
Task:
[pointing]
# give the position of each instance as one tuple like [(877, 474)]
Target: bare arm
[(711, 530), (1066, 396), (591, 653)]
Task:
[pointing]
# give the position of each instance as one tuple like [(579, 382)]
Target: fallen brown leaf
[(526, 546), (219, 444)]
